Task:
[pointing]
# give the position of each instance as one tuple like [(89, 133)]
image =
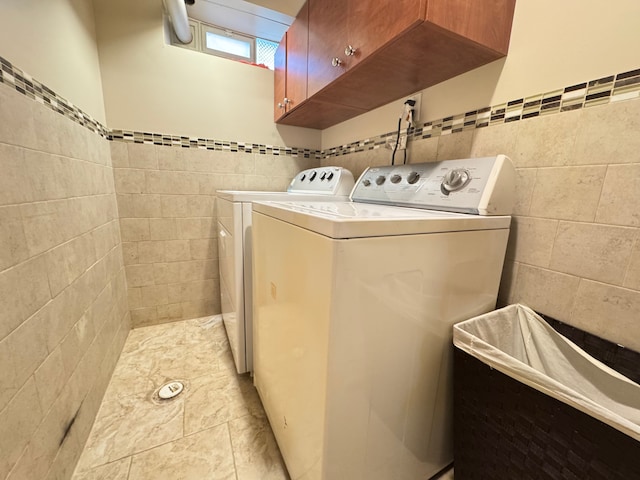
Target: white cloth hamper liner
[(518, 342)]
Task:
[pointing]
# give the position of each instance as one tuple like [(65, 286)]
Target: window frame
[(205, 28), (199, 30)]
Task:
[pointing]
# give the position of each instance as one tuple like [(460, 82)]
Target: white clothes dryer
[(233, 208), (354, 304)]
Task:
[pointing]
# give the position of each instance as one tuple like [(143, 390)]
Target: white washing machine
[(233, 209), (354, 304)]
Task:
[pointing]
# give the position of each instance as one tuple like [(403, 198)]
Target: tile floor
[(215, 429)]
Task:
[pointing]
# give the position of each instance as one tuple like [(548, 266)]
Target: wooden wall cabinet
[(365, 53), (280, 80), (327, 40), (344, 33), (290, 73)]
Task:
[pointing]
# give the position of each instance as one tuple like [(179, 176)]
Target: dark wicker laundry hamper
[(504, 429)]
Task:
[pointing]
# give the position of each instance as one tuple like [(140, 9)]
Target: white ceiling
[(262, 18), (288, 7)]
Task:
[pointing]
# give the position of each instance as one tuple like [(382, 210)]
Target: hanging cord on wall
[(409, 127), (395, 146), (407, 114)]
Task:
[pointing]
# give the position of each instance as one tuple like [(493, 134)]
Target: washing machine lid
[(344, 219)]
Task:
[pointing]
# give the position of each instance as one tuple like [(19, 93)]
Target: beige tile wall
[(574, 249), (166, 202), (64, 314)]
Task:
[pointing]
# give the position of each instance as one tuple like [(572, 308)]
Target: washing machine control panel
[(476, 185), (329, 180)]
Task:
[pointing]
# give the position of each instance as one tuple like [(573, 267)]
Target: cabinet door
[(297, 45), (327, 40), (374, 23), (280, 79)]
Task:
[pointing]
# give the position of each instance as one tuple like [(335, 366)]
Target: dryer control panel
[(481, 186), (329, 180)]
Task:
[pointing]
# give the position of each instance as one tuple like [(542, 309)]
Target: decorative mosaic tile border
[(208, 144), (614, 88), (22, 82)]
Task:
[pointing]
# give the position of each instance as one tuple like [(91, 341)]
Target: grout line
[(233, 452), (535, 183), (582, 279), (533, 190), (514, 287), (54, 154), (109, 281), (129, 468), (553, 245), (634, 247), (575, 301), (604, 181), (91, 387), (186, 327), (61, 199)]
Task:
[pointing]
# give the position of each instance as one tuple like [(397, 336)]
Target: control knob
[(313, 176), (395, 178), (366, 182), (455, 179), (380, 180), (330, 176), (413, 177)]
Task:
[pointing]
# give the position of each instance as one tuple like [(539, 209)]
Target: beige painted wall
[(553, 45), (54, 42), (158, 88)]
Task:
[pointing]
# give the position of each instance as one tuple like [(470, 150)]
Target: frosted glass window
[(233, 46), (225, 43)]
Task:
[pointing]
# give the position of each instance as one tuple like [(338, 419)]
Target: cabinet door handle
[(336, 62), (350, 51), (284, 103)]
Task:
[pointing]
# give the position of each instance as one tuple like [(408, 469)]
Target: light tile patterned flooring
[(215, 429)]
